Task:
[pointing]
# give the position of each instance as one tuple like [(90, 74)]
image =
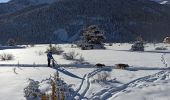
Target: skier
[(49, 58)]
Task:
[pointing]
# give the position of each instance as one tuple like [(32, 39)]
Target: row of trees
[(93, 37)]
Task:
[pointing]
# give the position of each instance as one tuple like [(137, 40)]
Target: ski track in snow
[(86, 78), (87, 84), (85, 90), (45, 65), (131, 68), (82, 90), (77, 91), (137, 83), (114, 91), (145, 81)]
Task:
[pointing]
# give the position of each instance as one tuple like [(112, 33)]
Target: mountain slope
[(122, 20), (15, 5), (162, 1)]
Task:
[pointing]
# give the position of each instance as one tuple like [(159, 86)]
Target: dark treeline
[(122, 20)]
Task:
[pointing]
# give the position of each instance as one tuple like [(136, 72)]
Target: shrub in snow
[(52, 88), (32, 45), (110, 44), (11, 42), (163, 60), (14, 70), (73, 46), (32, 90), (70, 55), (167, 46), (39, 53), (137, 46), (6, 56), (101, 76), (161, 48), (55, 50), (81, 59)]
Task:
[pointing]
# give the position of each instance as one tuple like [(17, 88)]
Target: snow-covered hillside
[(3, 1), (162, 1), (42, 1), (147, 78)]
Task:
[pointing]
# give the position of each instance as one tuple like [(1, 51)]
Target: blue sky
[(4, 1)]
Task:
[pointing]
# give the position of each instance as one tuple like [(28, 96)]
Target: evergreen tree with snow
[(92, 38), (138, 45)]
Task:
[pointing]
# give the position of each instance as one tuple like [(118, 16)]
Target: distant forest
[(121, 20)]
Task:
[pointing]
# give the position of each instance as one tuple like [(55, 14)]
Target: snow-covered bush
[(39, 53), (110, 44), (32, 45), (32, 90), (53, 87), (73, 46), (101, 76), (70, 55), (81, 59), (161, 48), (163, 60), (138, 46), (6, 56), (55, 50)]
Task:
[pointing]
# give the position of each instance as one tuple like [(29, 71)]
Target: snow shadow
[(145, 51), (110, 83), (146, 68), (11, 47), (45, 65), (64, 71)]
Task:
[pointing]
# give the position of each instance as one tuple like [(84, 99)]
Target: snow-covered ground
[(146, 79)]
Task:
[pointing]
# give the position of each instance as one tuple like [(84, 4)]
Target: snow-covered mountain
[(122, 20), (4, 1), (40, 1), (15, 5), (162, 1)]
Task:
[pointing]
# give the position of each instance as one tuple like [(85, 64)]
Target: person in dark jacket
[(49, 58)]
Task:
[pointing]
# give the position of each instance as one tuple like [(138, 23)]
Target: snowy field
[(147, 78)]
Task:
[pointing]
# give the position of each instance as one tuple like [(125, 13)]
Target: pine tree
[(138, 45), (92, 38)]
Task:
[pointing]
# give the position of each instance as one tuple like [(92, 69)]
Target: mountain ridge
[(122, 21), (15, 5)]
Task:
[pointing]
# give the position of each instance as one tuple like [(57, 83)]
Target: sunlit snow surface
[(123, 84), (4, 1)]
